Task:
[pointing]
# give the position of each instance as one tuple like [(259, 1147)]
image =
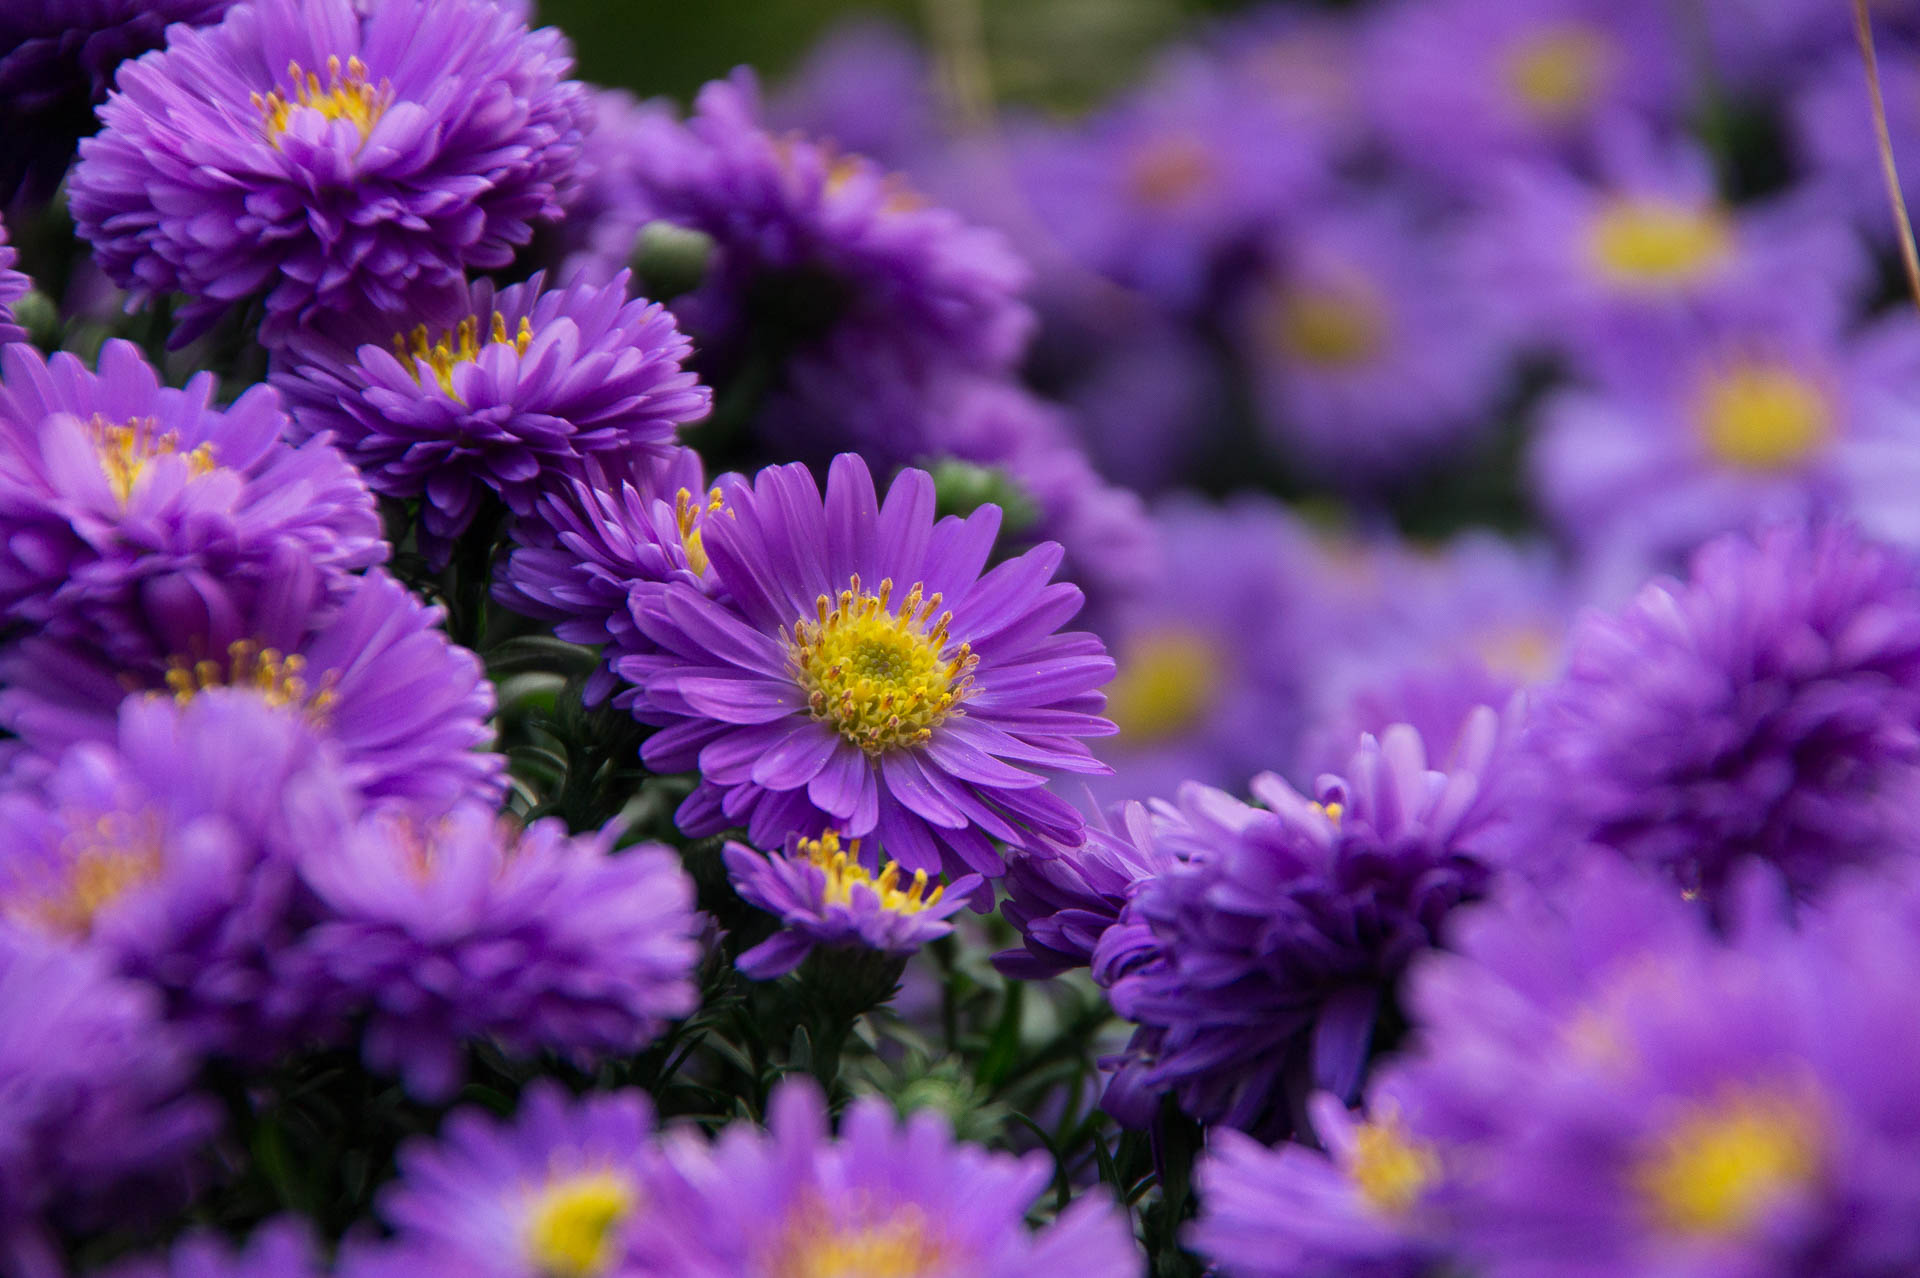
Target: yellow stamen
[(1658, 243), (104, 858), (1391, 1170), (689, 514), (1558, 71), (898, 1244), (1722, 1165), (1328, 326), (882, 679), (279, 678), (461, 345), (1170, 170), (347, 97), (126, 450), (572, 1225), (1763, 416), (844, 872), (1167, 683)]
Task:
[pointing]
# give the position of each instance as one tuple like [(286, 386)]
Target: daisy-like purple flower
[(96, 1096), (1373, 353), (330, 160), (1278, 932), (13, 287), (1064, 902), (172, 850), (1767, 708), (57, 60), (406, 708), (887, 1197), (126, 507), (438, 931), (509, 392), (550, 1193), (282, 1248), (825, 896), (863, 674)]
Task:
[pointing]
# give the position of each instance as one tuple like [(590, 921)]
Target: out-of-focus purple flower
[(825, 896), (1373, 354), (282, 1248), (1735, 425), (96, 1096), (1835, 142), (886, 1197), (509, 391), (1145, 402), (1759, 47), (129, 509), (865, 87), (1063, 902), (407, 709), (1461, 88), (553, 1191), (1276, 933), (172, 850), (461, 927), (13, 287), (863, 674), (1767, 708), (57, 60), (330, 160), (1305, 66), (602, 229)]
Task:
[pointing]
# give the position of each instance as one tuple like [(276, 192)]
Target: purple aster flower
[(863, 674), (553, 1191), (1062, 902), (282, 1248), (1278, 932), (13, 287), (1306, 66), (886, 1197), (1739, 424), (825, 896), (602, 229), (374, 674), (171, 849), (1835, 141), (1765, 708), (95, 1099), (511, 391), (129, 509), (330, 160), (869, 88), (57, 59), (1462, 87), (464, 927), (1373, 353)]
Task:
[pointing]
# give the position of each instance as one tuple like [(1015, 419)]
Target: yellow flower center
[(1391, 1170), (460, 346), (1657, 243), (279, 679), (882, 679), (1558, 71), (1763, 416), (343, 97), (1168, 681), (126, 450), (1529, 654), (1328, 326), (573, 1222), (844, 872), (900, 1246), (689, 514), (1170, 170), (104, 858), (1722, 1165)]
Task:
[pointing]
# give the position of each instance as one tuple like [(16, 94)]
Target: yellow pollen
[(1390, 1170), (1723, 1165), (1332, 811), (1529, 654), (462, 345), (882, 679), (572, 1226), (1328, 326), (899, 1246), (1168, 681), (689, 514), (104, 858), (1170, 170), (1558, 71), (1756, 415), (1658, 243), (125, 451), (844, 872), (279, 678), (347, 97)]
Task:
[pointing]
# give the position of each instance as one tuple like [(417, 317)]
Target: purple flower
[(13, 287), (282, 1248), (602, 229), (57, 59), (886, 1197), (1063, 902), (129, 510), (374, 674), (1373, 352), (509, 392), (1765, 708), (1277, 932), (329, 160), (440, 931), (552, 1191), (171, 850), (95, 1097), (825, 896), (869, 87), (1834, 139), (861, 673)]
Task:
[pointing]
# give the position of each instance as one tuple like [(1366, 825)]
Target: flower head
[(1063, 902), (328, 159), (860, 672)]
